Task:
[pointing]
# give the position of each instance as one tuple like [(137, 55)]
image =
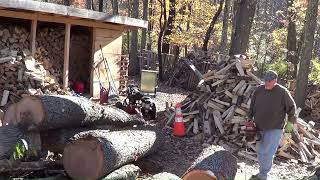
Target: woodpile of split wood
[(312, 104), (20, 73), (219, 109)]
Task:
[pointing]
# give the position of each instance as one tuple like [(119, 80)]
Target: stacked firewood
[(123, 75), (20, 73), (312, 104), (220, 107), (50, 48)]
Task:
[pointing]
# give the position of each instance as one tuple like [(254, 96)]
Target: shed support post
[(66, 56), (33, 36)]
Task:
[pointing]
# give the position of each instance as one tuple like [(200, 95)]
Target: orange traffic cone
[(178, 127)]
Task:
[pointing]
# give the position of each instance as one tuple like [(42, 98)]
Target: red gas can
[(104, 93), (79, 87)]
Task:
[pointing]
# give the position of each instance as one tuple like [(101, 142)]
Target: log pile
[(22, 74), (123, 75), (220, 108), (102, 138), (312, 103), (50, 48)]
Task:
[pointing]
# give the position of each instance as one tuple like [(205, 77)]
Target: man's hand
[(290, 127)]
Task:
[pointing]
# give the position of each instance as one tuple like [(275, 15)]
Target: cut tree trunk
[(53, 112), (213, 163), (101, 152), (127, 172)]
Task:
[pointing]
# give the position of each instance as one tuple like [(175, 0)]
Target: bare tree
[(150, 28), (245, 10), (163, 15), (292, 54), (224, 34), (169, 26), (134, 64), (144, 31), (306, 52), (115, 7), (211, 26)]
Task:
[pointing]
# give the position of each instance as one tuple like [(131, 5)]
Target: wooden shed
[(102, 29)]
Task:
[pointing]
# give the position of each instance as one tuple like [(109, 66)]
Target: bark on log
[(9, 136), (127, 172), (100, 152), (213, 163), (163, 176), (53, 112), (6, 166)]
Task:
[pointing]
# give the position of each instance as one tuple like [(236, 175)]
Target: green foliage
[(315, 71), (280, 67), (20, 150)]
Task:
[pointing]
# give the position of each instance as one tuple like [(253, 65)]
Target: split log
[(127, 172), (213, 163), (100, 152), (53, 112)]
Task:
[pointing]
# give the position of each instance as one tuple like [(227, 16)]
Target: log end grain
[(27, 112), (199, 174), (83, 159)]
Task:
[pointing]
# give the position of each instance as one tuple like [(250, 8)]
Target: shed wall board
[(111, 43)]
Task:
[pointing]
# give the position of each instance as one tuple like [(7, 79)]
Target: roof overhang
[(68, 11)]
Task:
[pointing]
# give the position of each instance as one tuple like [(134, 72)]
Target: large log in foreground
[(126, 172), (94, 154), (53, 112), (213, 163)]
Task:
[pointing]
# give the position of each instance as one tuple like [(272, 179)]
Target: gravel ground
[(178, 154)]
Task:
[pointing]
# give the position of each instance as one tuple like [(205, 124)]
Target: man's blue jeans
[(267, 147)]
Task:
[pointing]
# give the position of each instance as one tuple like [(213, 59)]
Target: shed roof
[(68, 11)]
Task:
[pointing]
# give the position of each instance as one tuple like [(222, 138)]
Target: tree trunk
[(188, 27), (134, 65), (292, 54), (66, 2), (100, 5), (211, 26), (54, 112), (126, 172), (244, 18), (101, 151), (160, 37), (150, 26), (224, 35), (213, 162), (144, 31), (169, 27), (304, 67), (115, 7)]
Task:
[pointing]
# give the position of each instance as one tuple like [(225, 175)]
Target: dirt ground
[(179, 153)]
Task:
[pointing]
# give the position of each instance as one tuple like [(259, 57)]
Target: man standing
[(269, 105)]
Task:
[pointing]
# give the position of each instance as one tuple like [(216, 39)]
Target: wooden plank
[(225, 69), (248, 90), (217, 83), (230, 114), (212, 105), (238, 86), (218, 121), (5, 96), (228, 93), (191, 113), (33, 37), (240, 92), (207, 127), (59, 19), (66, 56), (254, 77), (240, 68), (221, 102), (195, 126), (241, 112)]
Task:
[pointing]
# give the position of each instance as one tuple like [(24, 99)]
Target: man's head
[(270, 79)]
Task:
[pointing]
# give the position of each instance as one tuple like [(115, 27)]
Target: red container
[(78, 87), (104, 93)]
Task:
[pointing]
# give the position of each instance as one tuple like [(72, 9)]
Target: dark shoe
[(255, 177)]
